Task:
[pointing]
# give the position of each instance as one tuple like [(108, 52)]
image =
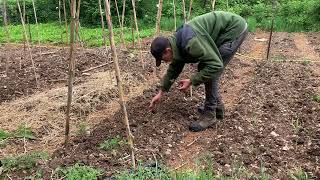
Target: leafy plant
[(112, 144), (3, 135), (78, 171), (26, 161), (24, 132)]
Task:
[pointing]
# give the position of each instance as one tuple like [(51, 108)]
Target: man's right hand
[(155, 100)]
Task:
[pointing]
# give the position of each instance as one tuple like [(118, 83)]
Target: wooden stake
[(213, 3), (102, 25), (60, 22), (5, 24), (184, 11), (137, 30), (119, 83), (71, 67), (159, 17), (36, 19), (132, 32), (119, 19), (174, 15), (270, 38), (190, 8), (122, 19), (65, 19), (27, 42)]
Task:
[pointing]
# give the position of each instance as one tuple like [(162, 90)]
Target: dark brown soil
[(271, 120)]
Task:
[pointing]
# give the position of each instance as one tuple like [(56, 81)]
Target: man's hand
[(155, 100), (184, 84)]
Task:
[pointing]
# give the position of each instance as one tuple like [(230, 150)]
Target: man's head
[(161, 50)]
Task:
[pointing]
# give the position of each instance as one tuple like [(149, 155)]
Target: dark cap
[(158, 46)]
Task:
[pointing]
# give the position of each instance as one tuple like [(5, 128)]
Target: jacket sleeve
[(210, 63), (172, 74)]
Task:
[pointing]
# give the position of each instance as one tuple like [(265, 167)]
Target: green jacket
[(198, 41)]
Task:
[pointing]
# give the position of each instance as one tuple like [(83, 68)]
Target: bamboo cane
[(132, 32), (159, 18), (119, 83), (120, 24), (213, 3), (36, 19), (190, 8), (60, 22), (73, 25), (102, 25), (174, 15), (5, 24), (137, 30), (27, 42), (65, 19), (24, 20), (122, 18), (184, 11)]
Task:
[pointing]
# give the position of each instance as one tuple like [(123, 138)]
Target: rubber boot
[(220, 111), (207, 121)]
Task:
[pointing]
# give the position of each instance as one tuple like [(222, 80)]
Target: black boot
[(208, 119), (220, 111)]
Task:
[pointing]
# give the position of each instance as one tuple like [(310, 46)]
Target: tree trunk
[(119, 83), (71, 67), (137, 30), (159, 17)]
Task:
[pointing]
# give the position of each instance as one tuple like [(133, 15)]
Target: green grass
[(113, 144), (23, 162), (51, 33)]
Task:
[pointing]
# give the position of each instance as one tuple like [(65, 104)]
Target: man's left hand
[(184, 84)]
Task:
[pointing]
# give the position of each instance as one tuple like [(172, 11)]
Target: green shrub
[(25, 161)]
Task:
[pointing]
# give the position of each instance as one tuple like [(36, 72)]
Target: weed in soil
[(113, 144), (24, 132), (77, 171), (23, 162), (316, 98), (3, 135)]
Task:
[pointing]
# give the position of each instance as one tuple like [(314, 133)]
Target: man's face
[(167, 55)]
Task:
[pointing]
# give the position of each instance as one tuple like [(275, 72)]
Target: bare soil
[(271, 119)]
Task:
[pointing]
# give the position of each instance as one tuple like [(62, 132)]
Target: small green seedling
[(23, 162), (296, 125), (82, 129), (24, 132), (316, 98), (306, 61), (112, 144), (301, 175)]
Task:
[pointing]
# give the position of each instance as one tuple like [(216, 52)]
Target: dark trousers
[(227, 51)]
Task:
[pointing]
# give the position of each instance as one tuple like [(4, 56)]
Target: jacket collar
[(175, 50)]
